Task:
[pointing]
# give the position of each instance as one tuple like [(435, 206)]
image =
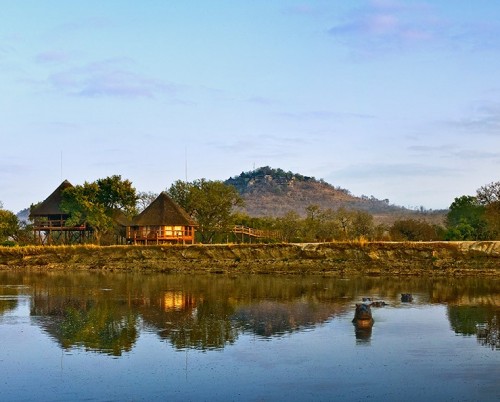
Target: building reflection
[(106, 312)]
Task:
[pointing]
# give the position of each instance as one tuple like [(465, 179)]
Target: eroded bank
[(373, 258)]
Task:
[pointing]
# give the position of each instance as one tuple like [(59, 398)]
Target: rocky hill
[(274, 192)]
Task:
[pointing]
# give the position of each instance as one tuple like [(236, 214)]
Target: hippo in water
[(363, 316), (406, 297), (363, 322), (374, 303)]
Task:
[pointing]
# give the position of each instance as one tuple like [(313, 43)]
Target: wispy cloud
[(389, 25), (455, 151), (9, 168), (395, 170), (485, 119), (472, 154), (261, 100), (262, 145), (52, 56), (83, 24), (110, 78), (324, 115)]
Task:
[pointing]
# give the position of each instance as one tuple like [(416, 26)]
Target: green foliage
[(415, 230), (318, 226), (278, 177), (9, 225), (466, 220), (290, 226), (95, 203), (99, 328), (116, 194), (181, 193), (210, 204), (14, 232)]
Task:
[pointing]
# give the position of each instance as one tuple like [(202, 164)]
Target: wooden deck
[(256, 233), (47, 231)]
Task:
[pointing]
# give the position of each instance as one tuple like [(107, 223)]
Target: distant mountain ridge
[(274, 192)]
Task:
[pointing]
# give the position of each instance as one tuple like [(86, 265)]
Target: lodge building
[(163, 221)]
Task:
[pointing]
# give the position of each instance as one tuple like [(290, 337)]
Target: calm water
[(117, 337)]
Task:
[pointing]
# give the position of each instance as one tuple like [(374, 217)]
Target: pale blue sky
[(395, 99)]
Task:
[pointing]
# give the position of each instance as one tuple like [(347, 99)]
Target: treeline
[(212, 204), (469, 218), (326, 225)]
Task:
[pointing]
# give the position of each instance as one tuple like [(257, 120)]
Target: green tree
[(9, 225), (181, 192), (362, 225), (114, 193), (312, 223), (414, 230), (329, 228), (210, 204), (466, 219), (289, 226), (95, 203)]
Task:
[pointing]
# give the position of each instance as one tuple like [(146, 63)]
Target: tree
[(465, 219), (312, 223), (414, 230), (362, 225), (210, 204), (144, 199), (9, 225), (181, 193), (81, 203), (489, 193), (289, 226), (489, 197), (116, 194), (95, 203)]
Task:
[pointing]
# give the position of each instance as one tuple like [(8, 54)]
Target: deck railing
[(148, 235), (55, 224), (257, 233)]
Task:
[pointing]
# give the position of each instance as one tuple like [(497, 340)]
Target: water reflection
[(106, 313), (478, 320), (9, 296)]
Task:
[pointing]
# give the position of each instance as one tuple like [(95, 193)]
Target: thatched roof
[(52, 204), (163, 211)]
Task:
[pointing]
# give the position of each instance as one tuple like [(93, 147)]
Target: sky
[(399, 100)]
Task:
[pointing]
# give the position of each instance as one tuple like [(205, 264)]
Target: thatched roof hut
[(163, 211), (52, 204), (163, 221), (50, 221)]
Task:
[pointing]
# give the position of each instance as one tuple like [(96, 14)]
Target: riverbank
[(371, 258)]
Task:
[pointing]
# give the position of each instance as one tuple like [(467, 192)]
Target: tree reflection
[(269, 318), (104, 311), (81, 314), (481, 321), (8, 298), (99, 328)]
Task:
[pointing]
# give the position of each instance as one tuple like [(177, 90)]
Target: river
[(114, 336)]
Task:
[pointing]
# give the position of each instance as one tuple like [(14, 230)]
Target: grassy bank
[(350, 258)]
